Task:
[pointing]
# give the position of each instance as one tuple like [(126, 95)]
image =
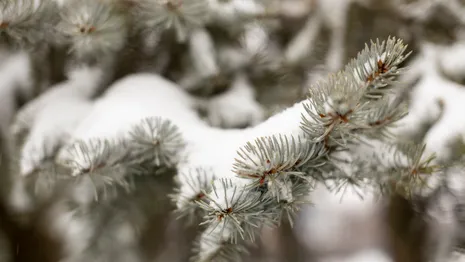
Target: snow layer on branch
[(236, 107), (51, 117), (132, 99), (52, 127), (140, 96)]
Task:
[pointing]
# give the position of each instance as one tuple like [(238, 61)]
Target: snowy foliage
[(94, 148)]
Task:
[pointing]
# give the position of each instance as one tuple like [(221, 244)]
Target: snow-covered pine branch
[(26, 24), (92, 28), (237, 180), (278, 167), (49, 119), (281, 159)]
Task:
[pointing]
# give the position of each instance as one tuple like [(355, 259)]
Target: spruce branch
[(236, 213), (396, 168), (150, 147), (191, 188), (101, 161), (92, 28), (332, 110), (232, 204), (408, 171), (272, 176), (344, 102), (215, 244), (26, 23), (179, 15), (378, 65), (270, 158), (286, 209), (156, 141), (387, 115), (275, 174)]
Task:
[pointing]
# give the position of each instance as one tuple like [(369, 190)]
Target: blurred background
[(306, 40)]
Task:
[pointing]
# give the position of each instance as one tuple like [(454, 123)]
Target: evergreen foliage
[(107, 187)]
